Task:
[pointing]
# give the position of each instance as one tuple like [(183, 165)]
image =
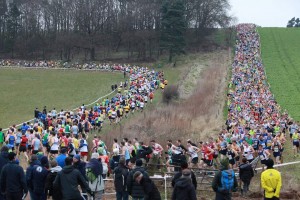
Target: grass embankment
[(23, 90), (280, 54)]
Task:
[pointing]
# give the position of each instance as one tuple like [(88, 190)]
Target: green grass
[(22, 90), (280, 54)]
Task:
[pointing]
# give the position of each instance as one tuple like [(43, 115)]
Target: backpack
[(227, 181), (90, 175)]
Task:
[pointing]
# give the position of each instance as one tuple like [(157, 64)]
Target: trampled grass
[(280, 54), (22, 90)]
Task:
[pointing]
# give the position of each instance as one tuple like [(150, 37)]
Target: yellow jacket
[(271, 183)]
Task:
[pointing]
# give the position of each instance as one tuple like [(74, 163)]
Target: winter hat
[(270, 163), (138, 162), (95, 155), (44, 160), (77, 156), (11, 156)]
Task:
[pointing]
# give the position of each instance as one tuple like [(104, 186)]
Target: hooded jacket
[(246, 172), (179, 174), (38, 179), (120, 178), (271, 182), (150, 189), (80, 166), (50, 179), (3, 159), (134, 189), (29, 172), (67, 182), (13, 179), (184, 190)]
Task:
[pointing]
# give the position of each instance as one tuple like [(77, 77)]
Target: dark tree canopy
[(95, 29), (294, 22)]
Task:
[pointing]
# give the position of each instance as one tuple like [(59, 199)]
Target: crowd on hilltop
[(60, 64), (255, 129)]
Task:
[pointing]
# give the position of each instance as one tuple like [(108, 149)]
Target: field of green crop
[(22, 90), (281, 58)]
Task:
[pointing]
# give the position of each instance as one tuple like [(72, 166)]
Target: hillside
[(280, 54)]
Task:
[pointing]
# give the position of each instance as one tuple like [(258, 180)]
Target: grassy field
[(280, 54), (22, 90)]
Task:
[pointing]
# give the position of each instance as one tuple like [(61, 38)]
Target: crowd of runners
[(61, 64), (255, 127)]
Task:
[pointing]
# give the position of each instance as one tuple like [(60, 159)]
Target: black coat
[(12, 179), (179, 174), (49, 183), (150, 189), (135, 189), (246, 172), (67, 182), (184, 190), (3, 159), (120, 173)]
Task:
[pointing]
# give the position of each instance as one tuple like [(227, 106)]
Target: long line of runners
[(255, 126)]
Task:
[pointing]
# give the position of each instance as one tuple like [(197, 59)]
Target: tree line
[(294, 22), (96, 29)]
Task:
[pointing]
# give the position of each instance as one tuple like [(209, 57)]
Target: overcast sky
[(266, 13)]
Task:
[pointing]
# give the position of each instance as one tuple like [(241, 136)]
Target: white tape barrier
[(281, 165), (18, 67)]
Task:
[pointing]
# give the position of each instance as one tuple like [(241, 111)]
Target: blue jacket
[(38, 179), (29, 172)]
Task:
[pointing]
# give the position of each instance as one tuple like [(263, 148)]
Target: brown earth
[(196, 115)]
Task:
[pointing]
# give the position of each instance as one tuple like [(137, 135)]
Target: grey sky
[(266, 13)]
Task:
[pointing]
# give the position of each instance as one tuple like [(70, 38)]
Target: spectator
[(80, 165), (184, 166), (3, 157), (113, 163), (67, 181), (224, 181), (135, 189), (3, 161), (12, 179), (38, 179), (271, 181), (60, 159), (150, 189), (94, 171), (246, 174), (184, 189), (32, 163), (120, 179), (54, 169)]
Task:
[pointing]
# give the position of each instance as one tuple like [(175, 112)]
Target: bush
[(170, 93)]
